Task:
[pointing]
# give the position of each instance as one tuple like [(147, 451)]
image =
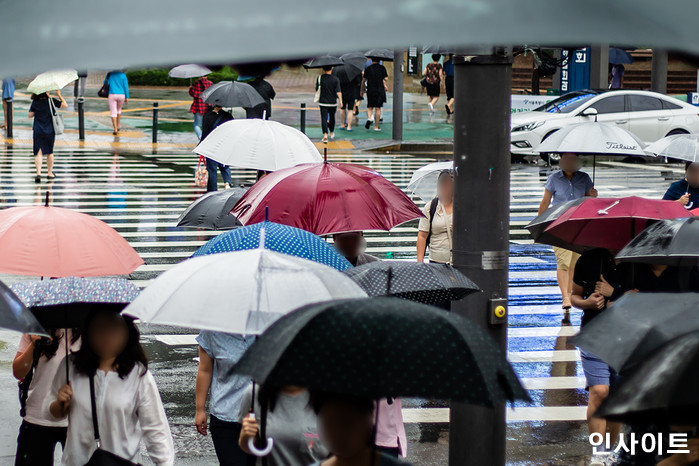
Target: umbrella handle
[(257, 451), (689, 206)]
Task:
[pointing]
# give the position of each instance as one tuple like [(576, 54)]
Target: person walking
[(118, 96), (110, 383), (564, 185), (218, 353), (330, 96), (435, 228), (448, 75), (8, 95), (376, 78), (44, 135), (214, 118), (35, 365), (350, 94), (433, 79), (199, 108), (267, 92), (617, 77), (686, 191)]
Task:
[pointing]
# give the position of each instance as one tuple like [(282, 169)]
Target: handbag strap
[(52, 107), (93, 403)]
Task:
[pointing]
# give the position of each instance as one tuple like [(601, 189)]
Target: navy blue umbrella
[(619, 56)]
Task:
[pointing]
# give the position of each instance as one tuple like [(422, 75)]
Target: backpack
[(433, 210)]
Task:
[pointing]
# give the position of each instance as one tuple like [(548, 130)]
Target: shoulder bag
[(104, 90), (102, 457), (56, 118)]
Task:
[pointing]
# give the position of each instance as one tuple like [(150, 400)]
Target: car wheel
[(672, 133), (550, 157)]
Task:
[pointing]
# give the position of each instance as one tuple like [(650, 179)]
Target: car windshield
[(565, 103)]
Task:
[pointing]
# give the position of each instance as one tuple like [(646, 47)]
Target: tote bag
[(56, 118)]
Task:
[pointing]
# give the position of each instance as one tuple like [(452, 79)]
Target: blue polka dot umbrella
[(279, 238)]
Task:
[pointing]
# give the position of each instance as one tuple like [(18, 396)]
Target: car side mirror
[(589, 111)]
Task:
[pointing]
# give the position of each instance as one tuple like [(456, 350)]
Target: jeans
[(198, 121), (327, 118), (211, 167), (225, 436), (36, 444)]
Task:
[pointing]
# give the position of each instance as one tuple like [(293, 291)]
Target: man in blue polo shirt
[(686, 191), (564, 185)]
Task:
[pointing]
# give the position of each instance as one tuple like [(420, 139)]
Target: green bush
[(159, 77)]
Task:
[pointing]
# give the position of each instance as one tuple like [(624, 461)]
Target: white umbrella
[(52, 81), (190, 70), (677, 146), (238, 292), (593, 138), (423, 183), (258, 144)]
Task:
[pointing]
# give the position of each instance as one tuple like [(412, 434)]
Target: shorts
[(116, 101), (43, 142), (449, 86), (565, 259), (347, 101), (375, 99), (597, 372), (432, 89)]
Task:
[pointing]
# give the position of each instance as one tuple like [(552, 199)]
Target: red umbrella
[(611, 222), (56, 242), (326, 198)]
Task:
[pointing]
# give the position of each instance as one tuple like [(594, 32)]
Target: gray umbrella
[(232, 94), (212, 211), (80, 34), (14, 315), (323, 61), (537, 227), (440, 49), (355, 60), (668, 242), (189, 71), (381, 54)]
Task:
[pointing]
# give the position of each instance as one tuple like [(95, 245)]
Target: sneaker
[(377, 129), (332, 135), (431, 108), (226, 186)]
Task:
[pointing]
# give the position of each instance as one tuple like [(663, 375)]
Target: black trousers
[(327, 118), (225, 436), (36, 444)]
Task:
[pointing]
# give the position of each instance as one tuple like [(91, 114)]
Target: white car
[(649, 115)]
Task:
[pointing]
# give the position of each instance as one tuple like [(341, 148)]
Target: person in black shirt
[(376, 78), (330, 95), (211, 120), (267, 92), (44, 135)]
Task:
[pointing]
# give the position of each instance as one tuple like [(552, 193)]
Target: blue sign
[(575, 74)]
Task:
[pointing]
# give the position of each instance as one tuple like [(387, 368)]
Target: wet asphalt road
[(142, 195)]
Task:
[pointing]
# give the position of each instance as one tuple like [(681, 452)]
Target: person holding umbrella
[(567, 184), (118, 85), (211, 120), (44, 134), (199, 108), (267, 92), (330, 95), (435, 228), (686, 191)]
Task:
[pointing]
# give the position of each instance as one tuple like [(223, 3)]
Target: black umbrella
[(538, 226), (380, 54), (382, 347), (14, 315), (668, 242), (436, 284), (355, 60), (637, 325), (212, 211), (345, 73), (323, 61), (232, 94), (664, 389)]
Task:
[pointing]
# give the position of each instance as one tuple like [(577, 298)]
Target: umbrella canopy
[(238, 292), (440, 49), (190, 70), (610, 222), (537, 227), (346, 73), (354, 60), (423, 183), (276, 237), (677, 146), (437, 284), (619, 56), (380, 54), (66, 302), (232, 94), (669, 242), (593, 138), (14, 315), (212, 211), (56, 242), (52, 81), (663, 390), (637, 325), (258, 144), (322, 61), (326, 198), (382, 347)]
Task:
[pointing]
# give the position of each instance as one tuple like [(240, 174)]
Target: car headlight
[(528, 126)]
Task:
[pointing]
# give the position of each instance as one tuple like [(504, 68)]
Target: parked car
[(649, 115)]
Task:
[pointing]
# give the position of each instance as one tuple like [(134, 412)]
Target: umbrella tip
[(46, 202)]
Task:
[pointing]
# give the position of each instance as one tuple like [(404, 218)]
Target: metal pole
[(658, 72), (155, 122), (8, 123), (397, 95), (302, 113), (482, 86), (599, 66), (81, 118)]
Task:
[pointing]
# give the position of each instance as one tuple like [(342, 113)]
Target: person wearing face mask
[(686, 191), (564, 185)]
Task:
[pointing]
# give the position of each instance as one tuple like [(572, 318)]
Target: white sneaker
[(226, 186), (431, 108)]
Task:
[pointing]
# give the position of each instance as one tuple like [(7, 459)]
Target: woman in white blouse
[(128, 404), (437, 229)]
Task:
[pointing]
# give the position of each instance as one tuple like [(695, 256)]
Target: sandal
[(566, 303), (51, 177), (37, 179)]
